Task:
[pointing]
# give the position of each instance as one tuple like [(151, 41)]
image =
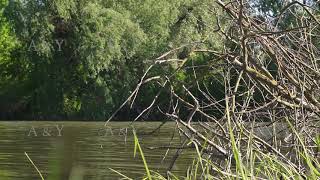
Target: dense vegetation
[(80, 59)]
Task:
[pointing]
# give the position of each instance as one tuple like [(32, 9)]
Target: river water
[(86, 150)]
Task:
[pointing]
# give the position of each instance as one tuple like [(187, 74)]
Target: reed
[(255, 165)]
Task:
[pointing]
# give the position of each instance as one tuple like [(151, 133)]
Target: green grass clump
[(256, 164)]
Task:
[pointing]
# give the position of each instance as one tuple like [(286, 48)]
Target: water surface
[(85, 150)]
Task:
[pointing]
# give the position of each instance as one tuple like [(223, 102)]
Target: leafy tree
[(80, 59)]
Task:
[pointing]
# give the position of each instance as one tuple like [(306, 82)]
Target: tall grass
[(255, 165), (35, 167)]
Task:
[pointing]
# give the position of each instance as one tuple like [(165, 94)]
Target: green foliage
[(7, 40), (80, 59)]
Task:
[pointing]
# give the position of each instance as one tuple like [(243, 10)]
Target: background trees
[(81, 59)]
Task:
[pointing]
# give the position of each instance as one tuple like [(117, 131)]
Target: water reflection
[(83, 150)]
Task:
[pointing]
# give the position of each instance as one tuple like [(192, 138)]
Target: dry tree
[(279, 65)]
